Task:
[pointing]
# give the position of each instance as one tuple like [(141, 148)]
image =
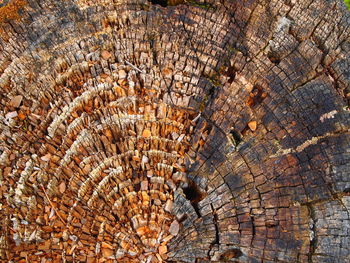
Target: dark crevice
[(230, 254), (256, 96), (245, 130), (253, 226), (153, 49), (216, 242), (165, 3), (137, 187), (273, 58), (115, 217), (217, 238), (271, 224), (194, 195), (183, 218), (253, 230), (230, 73), (236, 137), (204, 5), (313, 241)]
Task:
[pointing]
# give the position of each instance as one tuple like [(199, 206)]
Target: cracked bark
[(185, 131)]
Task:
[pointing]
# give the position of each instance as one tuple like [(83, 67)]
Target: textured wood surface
[(197, 131)]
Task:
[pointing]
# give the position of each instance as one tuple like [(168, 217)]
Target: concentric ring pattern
[(174, 131)]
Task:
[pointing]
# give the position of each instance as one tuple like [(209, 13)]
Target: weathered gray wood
[(197, 131)]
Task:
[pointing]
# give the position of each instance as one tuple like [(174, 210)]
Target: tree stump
[(174, 131)]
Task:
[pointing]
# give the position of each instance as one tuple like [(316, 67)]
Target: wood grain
[(188, 131)]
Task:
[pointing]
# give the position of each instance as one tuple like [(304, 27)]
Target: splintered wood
[(109, 172), (129, 182), (174, 131)]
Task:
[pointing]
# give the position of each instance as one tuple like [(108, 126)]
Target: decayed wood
[(174, 131)]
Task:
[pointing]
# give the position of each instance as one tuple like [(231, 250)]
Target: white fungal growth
[(157, 180), (77, 123), (328, 115), (164, 166), (17, 239), (124, 102), (2, 242), (19, 191), (15, 223), (123, 119), (162, 154), (125, 184), (35, 236), (283, 24), (97, 171), (77, 102), (84, 136), (87, 160), (4, 157), (52, 187), (118, 203), (98, 248), (303, 146), (113, 191), (102, 184), (31, 202)]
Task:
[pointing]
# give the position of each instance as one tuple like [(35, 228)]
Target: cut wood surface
[(174, 131)]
